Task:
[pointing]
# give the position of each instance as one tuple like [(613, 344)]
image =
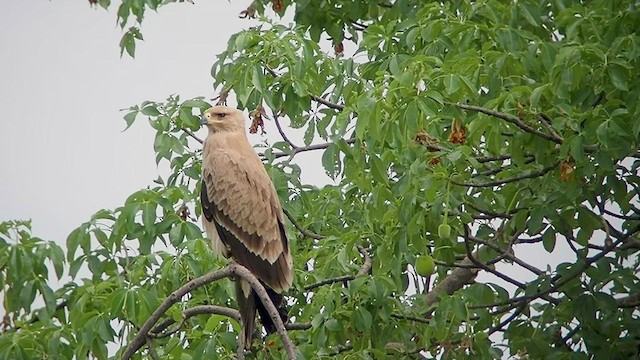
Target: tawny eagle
[(242, 214)]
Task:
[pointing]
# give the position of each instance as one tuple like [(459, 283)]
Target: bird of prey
[(242, 215)]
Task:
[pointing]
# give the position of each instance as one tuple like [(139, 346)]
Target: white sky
[(62, 83)]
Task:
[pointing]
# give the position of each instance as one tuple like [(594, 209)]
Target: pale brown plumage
[(242, 213)]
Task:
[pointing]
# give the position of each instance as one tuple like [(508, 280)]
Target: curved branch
[(268, 304), (140, 338), (276, 119), (194, 311)]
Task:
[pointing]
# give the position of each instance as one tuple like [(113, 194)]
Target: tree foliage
[(470, 133)]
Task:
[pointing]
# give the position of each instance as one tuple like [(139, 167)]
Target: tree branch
[(510, 119), (364, 269), (173, 298), (282, 133), (302, 230), (561, 281), (268, 304), (458, 278), (546, 122), (143, 334), (301, 149), (194, 311), (327, 103), (494, 183), (194, 136)]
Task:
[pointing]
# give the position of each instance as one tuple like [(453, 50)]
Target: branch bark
[(143, 334), (364, 269)]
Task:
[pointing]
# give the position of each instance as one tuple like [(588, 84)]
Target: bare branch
[(364, 269), (630, 301), (484, 267), (510, 119), (546, 122), (141, 337), (309, 148), (562, 280), (458, 278), (194, 136), (268, 304), (327, 103), (504, 322), (298, 326), (173, 298), (529, 175), (509, 255), (194, 311), (276, 118), (302, 230)]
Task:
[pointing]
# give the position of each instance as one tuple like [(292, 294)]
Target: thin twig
[(504, 322), (276, 118), (327, 103), (508, 255), (546, 122), (190, 133), (194, 311), (561, 281), (364, 269), (500, 182), (302, 230), (484, 267), (510, 119), (309, 148)]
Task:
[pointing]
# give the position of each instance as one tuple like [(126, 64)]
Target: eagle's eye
[(221, 115)]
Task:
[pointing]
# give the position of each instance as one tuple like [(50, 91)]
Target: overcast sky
[(62, 83)]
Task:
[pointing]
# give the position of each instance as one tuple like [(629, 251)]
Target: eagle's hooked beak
[(203, 120)]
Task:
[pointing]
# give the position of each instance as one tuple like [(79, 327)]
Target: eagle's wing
[(239, 201)]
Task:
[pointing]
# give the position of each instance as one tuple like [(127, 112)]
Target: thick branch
[(458, 278), (268, 304), (173, 298)]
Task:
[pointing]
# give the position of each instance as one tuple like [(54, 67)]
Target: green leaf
[(150, 110), (451, 83), (176, 234), (130, 118), (618, 77), (549, 239), (331, 161)]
